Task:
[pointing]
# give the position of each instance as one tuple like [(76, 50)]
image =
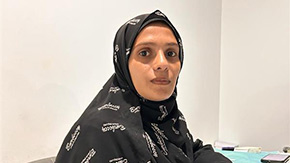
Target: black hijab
[(120, 126)]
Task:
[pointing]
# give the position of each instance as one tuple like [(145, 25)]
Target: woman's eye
[(171, 54), (144, 53)]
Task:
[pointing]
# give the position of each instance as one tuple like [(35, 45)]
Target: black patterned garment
[(119, 126)]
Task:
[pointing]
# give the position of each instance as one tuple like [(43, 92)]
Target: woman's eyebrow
[(172, 44), (153, 44), (145, 44)]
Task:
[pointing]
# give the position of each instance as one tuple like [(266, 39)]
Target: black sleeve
[(206, 154)]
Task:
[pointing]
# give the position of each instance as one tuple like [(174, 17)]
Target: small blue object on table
[(243, 157)]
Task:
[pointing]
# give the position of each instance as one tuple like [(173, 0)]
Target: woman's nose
[(161, 63)]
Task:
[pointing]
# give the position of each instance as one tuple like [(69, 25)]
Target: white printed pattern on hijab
[(109, 106), (134, 109), (74, 137), (88, 157), (115, 89), (118, 160), (112, 127), (174, 130), (133, 21), (150, 144), (163, 111), (157, 130), (162, 144)]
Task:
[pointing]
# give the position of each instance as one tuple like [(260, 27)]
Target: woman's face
[(154, 63)]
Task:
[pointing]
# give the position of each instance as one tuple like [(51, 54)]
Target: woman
[(135, 118)]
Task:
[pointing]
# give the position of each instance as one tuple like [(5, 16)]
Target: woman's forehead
[(154, 30)]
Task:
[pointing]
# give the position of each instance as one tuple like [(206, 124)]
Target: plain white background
[(254, 90), (56, 55)]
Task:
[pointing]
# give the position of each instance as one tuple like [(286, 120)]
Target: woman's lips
[(160, 81)]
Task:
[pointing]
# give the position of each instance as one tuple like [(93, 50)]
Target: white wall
[(289, 64), (199, 82), (57, 55), (254, 92), (1, 52)]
